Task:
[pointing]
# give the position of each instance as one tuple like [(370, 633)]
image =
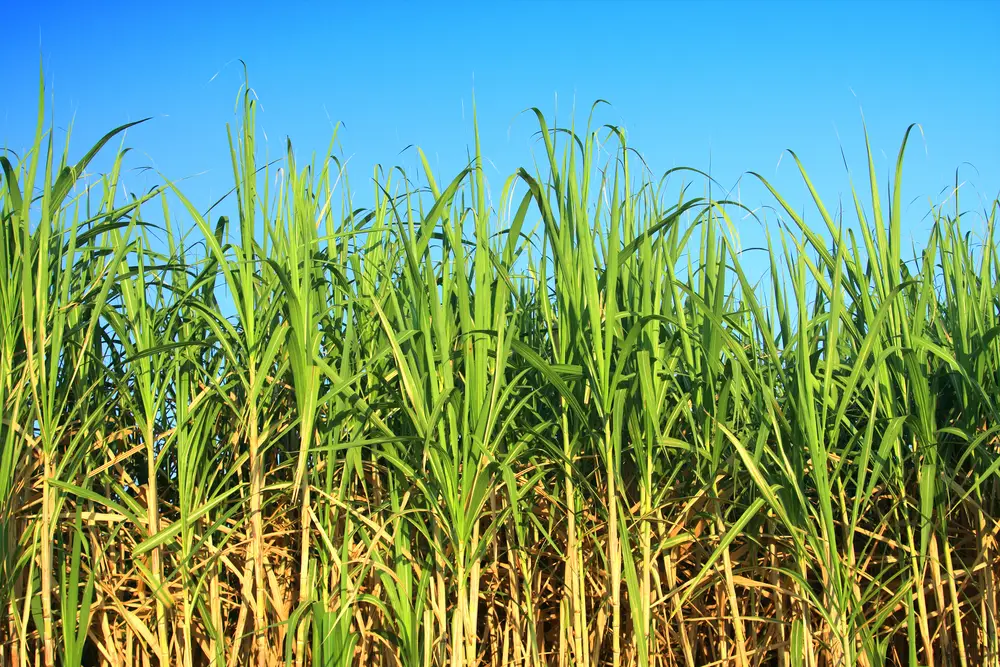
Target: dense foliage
[(568, 429)]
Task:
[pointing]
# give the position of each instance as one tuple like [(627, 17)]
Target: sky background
[(724, 87)]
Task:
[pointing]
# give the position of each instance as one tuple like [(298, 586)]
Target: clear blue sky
[(708, 85)]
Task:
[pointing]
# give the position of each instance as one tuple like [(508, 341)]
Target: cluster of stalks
[(562, 426)]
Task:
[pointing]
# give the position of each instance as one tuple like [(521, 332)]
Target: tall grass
[(568, 428)]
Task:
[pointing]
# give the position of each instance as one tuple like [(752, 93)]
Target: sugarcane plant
[(562, 421)]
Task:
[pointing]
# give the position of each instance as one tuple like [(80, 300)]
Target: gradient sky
[(719, 86)]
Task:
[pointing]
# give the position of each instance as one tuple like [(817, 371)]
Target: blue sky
[(719, 86)]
